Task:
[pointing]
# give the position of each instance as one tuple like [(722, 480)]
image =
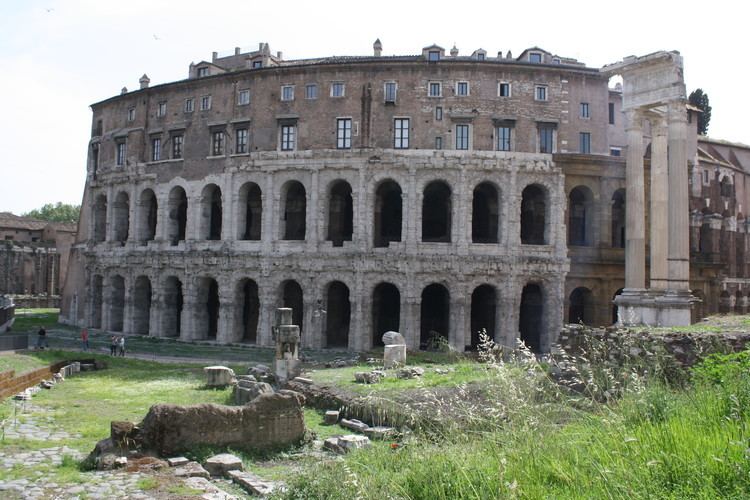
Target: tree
[(56, 212), (700, 100)]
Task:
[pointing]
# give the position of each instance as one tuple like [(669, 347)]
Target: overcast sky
[(58, 57)]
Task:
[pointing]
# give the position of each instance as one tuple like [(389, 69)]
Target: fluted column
[(635, 245), (658, 210), (679, 244)]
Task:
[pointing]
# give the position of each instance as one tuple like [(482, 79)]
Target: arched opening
[(207, 319), (177, 205), (172, 313), (211, 212), (706, 236), (388, 213), (338, 315), (97, 291), (581, 306), (533, 216), (247, 311), (99, 210), (726, 187), (434, 317), (386, 311), (725, 302), (531, 317), (739, 303), (295, 211), (250, 214), (483, 313), (699, 307), (117, 303), (142, 306), (618, 219), (615, 309), (292, 296), (436, 213), (340, 218), (485, 214), (121, 217), (581, 217), (147, 216)]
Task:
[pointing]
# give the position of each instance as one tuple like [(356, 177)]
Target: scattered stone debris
[(252, 483), (341, 363), (210, 491), (372, 377), (218, 376), (379, 432), (247, 390), (303, 380), (221, 464), (331, 417), (177, 461), (344, 444), (444, 371), (191, 469), (410, 372), (353, 424), (259, 371)]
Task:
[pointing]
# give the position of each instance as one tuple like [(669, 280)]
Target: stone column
[(635, 245), (679, 245), (267, 235), (312, 231), (461, 320), (225, 330), (410, 321), (410, 212), (265, 315), (658, 209), (189, 310), (461, 216), (128, 309), (157, 307)]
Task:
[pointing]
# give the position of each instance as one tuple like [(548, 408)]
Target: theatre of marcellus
[(437, 195)]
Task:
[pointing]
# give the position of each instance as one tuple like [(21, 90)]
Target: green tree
[(700, 100), (56, 212)]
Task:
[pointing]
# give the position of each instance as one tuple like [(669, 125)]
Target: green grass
[(26, 362), (29, 320)]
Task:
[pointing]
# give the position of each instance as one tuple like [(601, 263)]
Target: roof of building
[(13, 221)]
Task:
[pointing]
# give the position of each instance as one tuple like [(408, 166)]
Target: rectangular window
[(611, 113), (390, 91), (438, 113), (121, 151), (462, 88), (435, 89), (311, 91), (189, 105), (615, 151), (241, 139), (131, 115), (503, 89), (546, 139), (287, 93), (540, 93), (156, 149), (257, 64), (288, 137), (585, 110), (462, 137), (202, 72), (177, 146), (205, 102), (217, 143), (343, 133), (535, 57), (243, 97), (705, 177), (337, 89), (161, 110), (503, 138), (401, 133), (433, 55), (584, 143), (438, 143)]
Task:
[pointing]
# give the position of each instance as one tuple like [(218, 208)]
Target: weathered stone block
[(177, 461), (245, 394), (331, 417), (219, 465), (353, 424), (410, 372), (252, 483), (218, 376), (191, 469), (372, 377), (379, 432), (353, 442), (394, 356)]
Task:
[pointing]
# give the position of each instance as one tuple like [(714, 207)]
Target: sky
[(58, 57)]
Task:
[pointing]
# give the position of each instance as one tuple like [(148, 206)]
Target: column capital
[(677, 110), (635, 118), (658, 124)]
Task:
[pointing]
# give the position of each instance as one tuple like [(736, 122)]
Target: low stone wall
[(7, 316), (37, 301), (11, 384)]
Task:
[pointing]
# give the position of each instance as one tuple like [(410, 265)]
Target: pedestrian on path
[(121, 345), (41, 341), (113, 346), (85, 339)]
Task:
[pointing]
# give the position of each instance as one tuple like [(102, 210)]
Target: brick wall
[(11, 384)]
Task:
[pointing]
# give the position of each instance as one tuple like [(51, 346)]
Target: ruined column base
[(642, 307), (286, 369)]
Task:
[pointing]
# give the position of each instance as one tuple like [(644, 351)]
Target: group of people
[(117, 346)]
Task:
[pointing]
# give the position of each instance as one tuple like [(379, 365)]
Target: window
[(202, 72), (131, 115), (243, 97), (205, 102), (287, 93), (611, 113), (435, 89), (311, 91), (433, 55), (217, 143), (401, 133), (462, 136), (584, 143), (161, 110), (438, 113), (390, 91), (535, 57), (585, 110), (556, 60), (189, 105), (480, 56), (615, 151), (343, 133), (177, 146), (705, 177), (503, 137), (438, 142), (337, 89), (241, 139), (156, 149), (120, 152), (257, 64), (546, 139), (540, 93), (462, 88), (503, 89), (288, 139)]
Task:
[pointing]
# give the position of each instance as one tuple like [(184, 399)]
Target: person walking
[(41, 341), (113, 346), (121, 345), (85, 339)]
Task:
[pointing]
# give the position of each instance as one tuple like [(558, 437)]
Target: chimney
[(509, 55), (124, 91), (214, 56), (260, 47), (279, 55), (454, 51), (236, 51), (144, 81), (499, 54), (377, 48)]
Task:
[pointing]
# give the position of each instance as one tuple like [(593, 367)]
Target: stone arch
[(340, 213), (177, 206), (117, 303), (725, 302), (294, 212), (386, 311), (97, 291), (581, 306), (581, 217), (388, 213), (171, 323), (436, 212), (534, 205), (531, 316), (147, 215), (615, 309), (726, 187), (485, 214), (142, 305), (434, 317), (208, 307), (338, 315), (99, 216), (293, 296), (739, 303), (483, 313), (211, 212), (250, 212), (247, 311), (121, 217), (618, 218)]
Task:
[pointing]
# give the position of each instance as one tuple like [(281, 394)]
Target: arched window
[(531, 317), (121, 217), (207, 321), (247, 311), (142, 303), (177, 221), (250, 212), (485, 208), (434, 316), (171, 322), (340, 217), (147, 216), (581, 217), (292, 296), (581, 307), (211, 212), (436, 213), (117, 303), (97, 293), (295, 211), (483, 312), (99, 210), (388, 213), (533, 216), (338, 315), (386, 311), (618, 219)]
